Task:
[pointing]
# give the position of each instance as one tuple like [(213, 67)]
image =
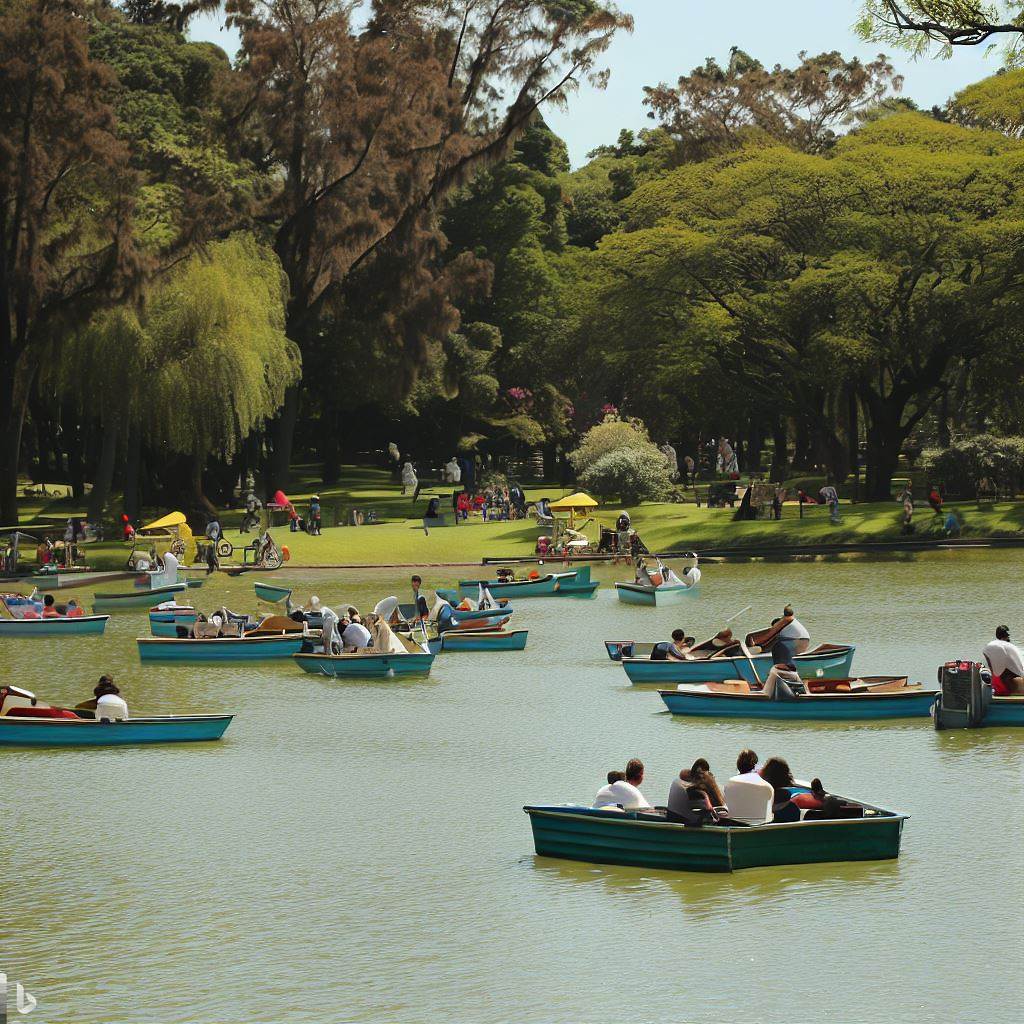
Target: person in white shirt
[(795, 632), (1006, 663), (748, 795), (623, 789), (109, 702), (355, 637)]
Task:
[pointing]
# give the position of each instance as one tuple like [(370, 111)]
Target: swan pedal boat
[(665, 587), (26, 721), (61, 625), (832, 661), (646, 839), (827, 700), (571, 583)]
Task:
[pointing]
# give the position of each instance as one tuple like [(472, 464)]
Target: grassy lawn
[(399, 536)]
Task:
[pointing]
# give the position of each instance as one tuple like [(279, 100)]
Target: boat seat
[(749, 800), (40, 712)]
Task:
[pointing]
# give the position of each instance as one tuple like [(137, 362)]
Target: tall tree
[(368, 114), (917, 24), (66, 244)]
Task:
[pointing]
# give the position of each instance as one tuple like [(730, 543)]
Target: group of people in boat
[(759, 793), (49, 609)]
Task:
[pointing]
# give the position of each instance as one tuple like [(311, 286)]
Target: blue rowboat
[(60, 732), (361, 666), (478, 640), (892, 698), (831, 661), (572, 583), (1005, 711), (646, 840), (272, 592), (136, 598), (166, 621), (83, 625), (653, 597), (221, 648)]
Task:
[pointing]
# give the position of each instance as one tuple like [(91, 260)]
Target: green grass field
[(399, 537)]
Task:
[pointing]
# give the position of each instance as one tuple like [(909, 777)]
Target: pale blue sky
[(671, 37)]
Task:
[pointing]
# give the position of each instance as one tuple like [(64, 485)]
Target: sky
[(671, 37)]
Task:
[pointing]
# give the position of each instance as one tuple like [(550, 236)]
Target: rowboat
[(647, 840), (63, 579), (619, 649), (1005, 711), (166, 621), (573, 583), (366, 664), (272, 592), (834, 700), (831, 661), (478, 640), (28, 722), (136, 598), (83, 625), (221, 648)]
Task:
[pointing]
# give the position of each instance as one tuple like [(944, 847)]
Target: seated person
[(814, 800), (110, 704), (75, 610), (794, 632), (356, 636), (50, 608), (694, 797), (1006, 664), (783, 682), (777, 774), (678, 650), (748, 796), (433, 509), (625, 792)]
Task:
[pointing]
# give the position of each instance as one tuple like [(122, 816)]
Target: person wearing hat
[(314, 516), (110, 705)]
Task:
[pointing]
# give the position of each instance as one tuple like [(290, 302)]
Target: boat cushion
[(40, 712)]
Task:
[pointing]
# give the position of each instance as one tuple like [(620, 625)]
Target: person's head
[(787, 612), (72, 603), (699, 767), (678, 636), (416, 583), (314, 602), (104, 686), (616, 777), (1002, 632), (316, 497), (48, 600), (776, 773), (635, 771), (746, 762), (353, 613)]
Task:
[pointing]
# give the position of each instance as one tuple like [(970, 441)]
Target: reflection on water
[(357, 850)]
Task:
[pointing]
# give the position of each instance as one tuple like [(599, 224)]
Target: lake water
[(356, 851)]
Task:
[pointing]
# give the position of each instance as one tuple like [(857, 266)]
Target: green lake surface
[(357, 851)]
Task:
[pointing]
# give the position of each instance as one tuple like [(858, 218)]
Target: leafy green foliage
[(964, 463), (633, 474)]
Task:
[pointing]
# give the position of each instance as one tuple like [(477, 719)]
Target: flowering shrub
[(633, 474)]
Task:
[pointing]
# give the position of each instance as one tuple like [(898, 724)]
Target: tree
[(916, 24), (714, 108), (368, 127), (617, 457), (66, 202)]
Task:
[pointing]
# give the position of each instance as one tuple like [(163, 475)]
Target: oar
[(746, 652)]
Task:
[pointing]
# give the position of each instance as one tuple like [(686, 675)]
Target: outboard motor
[(965, 693)]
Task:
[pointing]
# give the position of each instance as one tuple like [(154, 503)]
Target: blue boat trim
[(82, 625), (834, 661), (59, 732), (834, 707), (224, 648)]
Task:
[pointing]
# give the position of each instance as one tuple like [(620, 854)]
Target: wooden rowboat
[(834, 700), (221, 648), (648, 840)]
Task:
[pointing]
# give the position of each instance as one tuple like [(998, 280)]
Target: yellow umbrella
[(169, 520), (573, 503)]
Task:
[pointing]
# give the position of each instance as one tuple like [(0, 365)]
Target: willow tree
[(367, 114), (198, 367), (917, 24)]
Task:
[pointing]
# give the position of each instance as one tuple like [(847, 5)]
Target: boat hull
[(250, 648), (574, 583), (833, 707), (833, 663), (498, 640), (1005, 711), (84, 625), (652, 597), (45, 732), (166, 622), (638, 840), (270, 592), (365, 666), (137, 598)]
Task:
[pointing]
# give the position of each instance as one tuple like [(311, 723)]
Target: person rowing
[(1006, 664), (677, 649), (794, 632)]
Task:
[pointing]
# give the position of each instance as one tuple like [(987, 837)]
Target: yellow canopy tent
[(575, 504), (166, 523)]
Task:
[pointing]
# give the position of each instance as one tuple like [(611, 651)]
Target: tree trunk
[(755, 442), (198, 465), (131, 474), (801, 445), (13, 400), (74, 445), (104, 475), (943, 417), (885, 433), (780, 462), (283, 433)]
